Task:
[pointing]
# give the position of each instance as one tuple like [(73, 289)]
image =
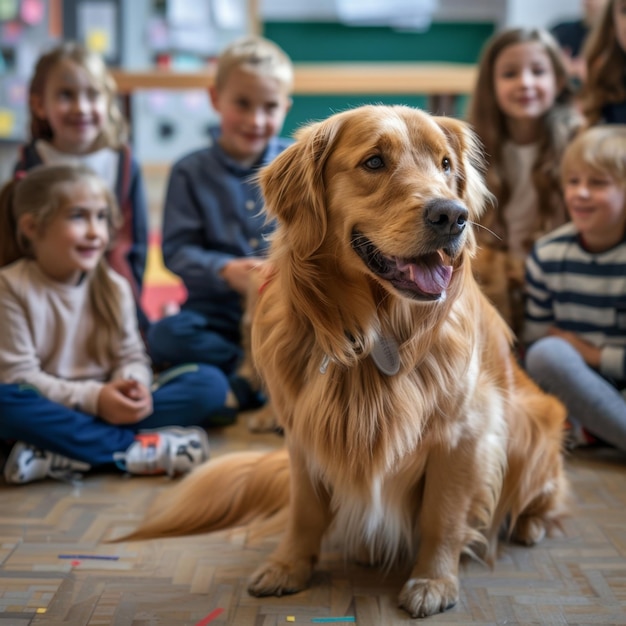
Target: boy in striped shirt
[(575, 314)]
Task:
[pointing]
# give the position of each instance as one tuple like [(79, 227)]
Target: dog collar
[(385, 354)]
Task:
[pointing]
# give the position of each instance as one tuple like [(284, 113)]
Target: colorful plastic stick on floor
[(210, 617), (100, 557)]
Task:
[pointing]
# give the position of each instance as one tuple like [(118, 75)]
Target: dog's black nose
[(446, 217)]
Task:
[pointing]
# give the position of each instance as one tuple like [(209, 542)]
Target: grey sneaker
[(172, 451), (27, 463)]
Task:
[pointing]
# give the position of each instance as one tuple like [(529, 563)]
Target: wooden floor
[(577, 578)]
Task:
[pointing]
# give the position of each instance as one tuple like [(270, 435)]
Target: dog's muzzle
[(425, 277)]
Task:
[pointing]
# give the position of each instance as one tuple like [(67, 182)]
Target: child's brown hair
[(41, 193), (114, 134), (606, 67)]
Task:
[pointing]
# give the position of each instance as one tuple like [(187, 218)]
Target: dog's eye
[(374, 163), (445, 164)]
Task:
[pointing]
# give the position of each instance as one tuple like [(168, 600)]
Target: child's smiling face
[(525, 87), (75, 239), (252, 108), (524, 80), (596, 204), (74, 107)]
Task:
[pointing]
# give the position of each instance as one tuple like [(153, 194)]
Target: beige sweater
[(44, 326)]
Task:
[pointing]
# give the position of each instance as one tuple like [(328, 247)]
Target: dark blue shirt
[(213, 215), (614, 113), (571, 36)]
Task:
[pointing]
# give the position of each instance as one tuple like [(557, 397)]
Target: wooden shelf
[(385, 78), (432, 79)]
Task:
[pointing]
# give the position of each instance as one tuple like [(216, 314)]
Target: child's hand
[(237, 273), (124, 402), (590, 353), (133, 389)]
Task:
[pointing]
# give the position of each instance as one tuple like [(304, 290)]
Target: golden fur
[(262, 419), (417, 466)]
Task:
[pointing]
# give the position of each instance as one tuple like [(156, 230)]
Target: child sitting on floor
[(76, 386), (214, 233), (523, 112), (576, 291)]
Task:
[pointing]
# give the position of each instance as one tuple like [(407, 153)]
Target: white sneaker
[(27, 463), (170, 451)]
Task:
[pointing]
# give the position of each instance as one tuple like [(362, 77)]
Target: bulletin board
[(97, 24), (24, 34)]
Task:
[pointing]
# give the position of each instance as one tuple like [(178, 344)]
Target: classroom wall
[(539, 13)]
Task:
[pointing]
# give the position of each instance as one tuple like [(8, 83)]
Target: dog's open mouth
[(426, 277)]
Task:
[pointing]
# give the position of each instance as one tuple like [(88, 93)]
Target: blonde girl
[(576, 291), (604, 94), (76, 385), (522, 110), (75, 118)]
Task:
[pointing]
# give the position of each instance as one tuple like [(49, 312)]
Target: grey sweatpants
[(591, 401)]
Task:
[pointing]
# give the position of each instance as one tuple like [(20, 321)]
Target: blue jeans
[(189, 395), (591, 401), (193, 337)]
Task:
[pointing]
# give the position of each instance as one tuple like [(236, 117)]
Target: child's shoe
[(248, 397), (170, 451), (27, 463), (577, 437)]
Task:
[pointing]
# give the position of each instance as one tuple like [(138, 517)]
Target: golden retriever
[(412, 434)]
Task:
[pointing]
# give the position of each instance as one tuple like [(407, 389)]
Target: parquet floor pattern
[(578, 577)]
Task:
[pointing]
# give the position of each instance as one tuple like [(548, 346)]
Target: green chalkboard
[(321, 42), (328, 41)]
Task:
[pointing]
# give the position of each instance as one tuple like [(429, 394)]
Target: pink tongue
[(432, 279)]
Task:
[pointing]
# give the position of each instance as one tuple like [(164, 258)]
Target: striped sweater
[(581, 292)]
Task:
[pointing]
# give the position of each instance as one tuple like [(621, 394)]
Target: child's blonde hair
[(114, 133), (599, 148), (41, 193), (489, 122), (606, 67), (257, 55)]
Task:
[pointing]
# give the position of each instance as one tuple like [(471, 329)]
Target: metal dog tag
[(324, 365), (386, 356)]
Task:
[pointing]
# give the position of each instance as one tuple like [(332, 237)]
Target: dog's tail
[(229, 491)]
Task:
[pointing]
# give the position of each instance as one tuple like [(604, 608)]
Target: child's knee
[(548, 355)]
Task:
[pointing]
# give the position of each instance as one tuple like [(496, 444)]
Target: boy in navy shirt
[(213, 231)]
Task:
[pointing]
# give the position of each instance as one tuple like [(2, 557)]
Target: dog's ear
[(293, 186), (471, 164)]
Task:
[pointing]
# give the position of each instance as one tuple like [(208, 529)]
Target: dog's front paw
[(276, 579), (421, 597)]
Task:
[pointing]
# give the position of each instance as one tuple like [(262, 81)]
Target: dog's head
[(392, 190)]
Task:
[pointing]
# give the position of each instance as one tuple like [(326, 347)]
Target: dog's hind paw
[(277, 579), (261, 420), (529, 530), (421, 597)]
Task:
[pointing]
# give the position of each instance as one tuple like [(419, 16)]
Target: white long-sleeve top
[(44, 328), (521, 212)]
